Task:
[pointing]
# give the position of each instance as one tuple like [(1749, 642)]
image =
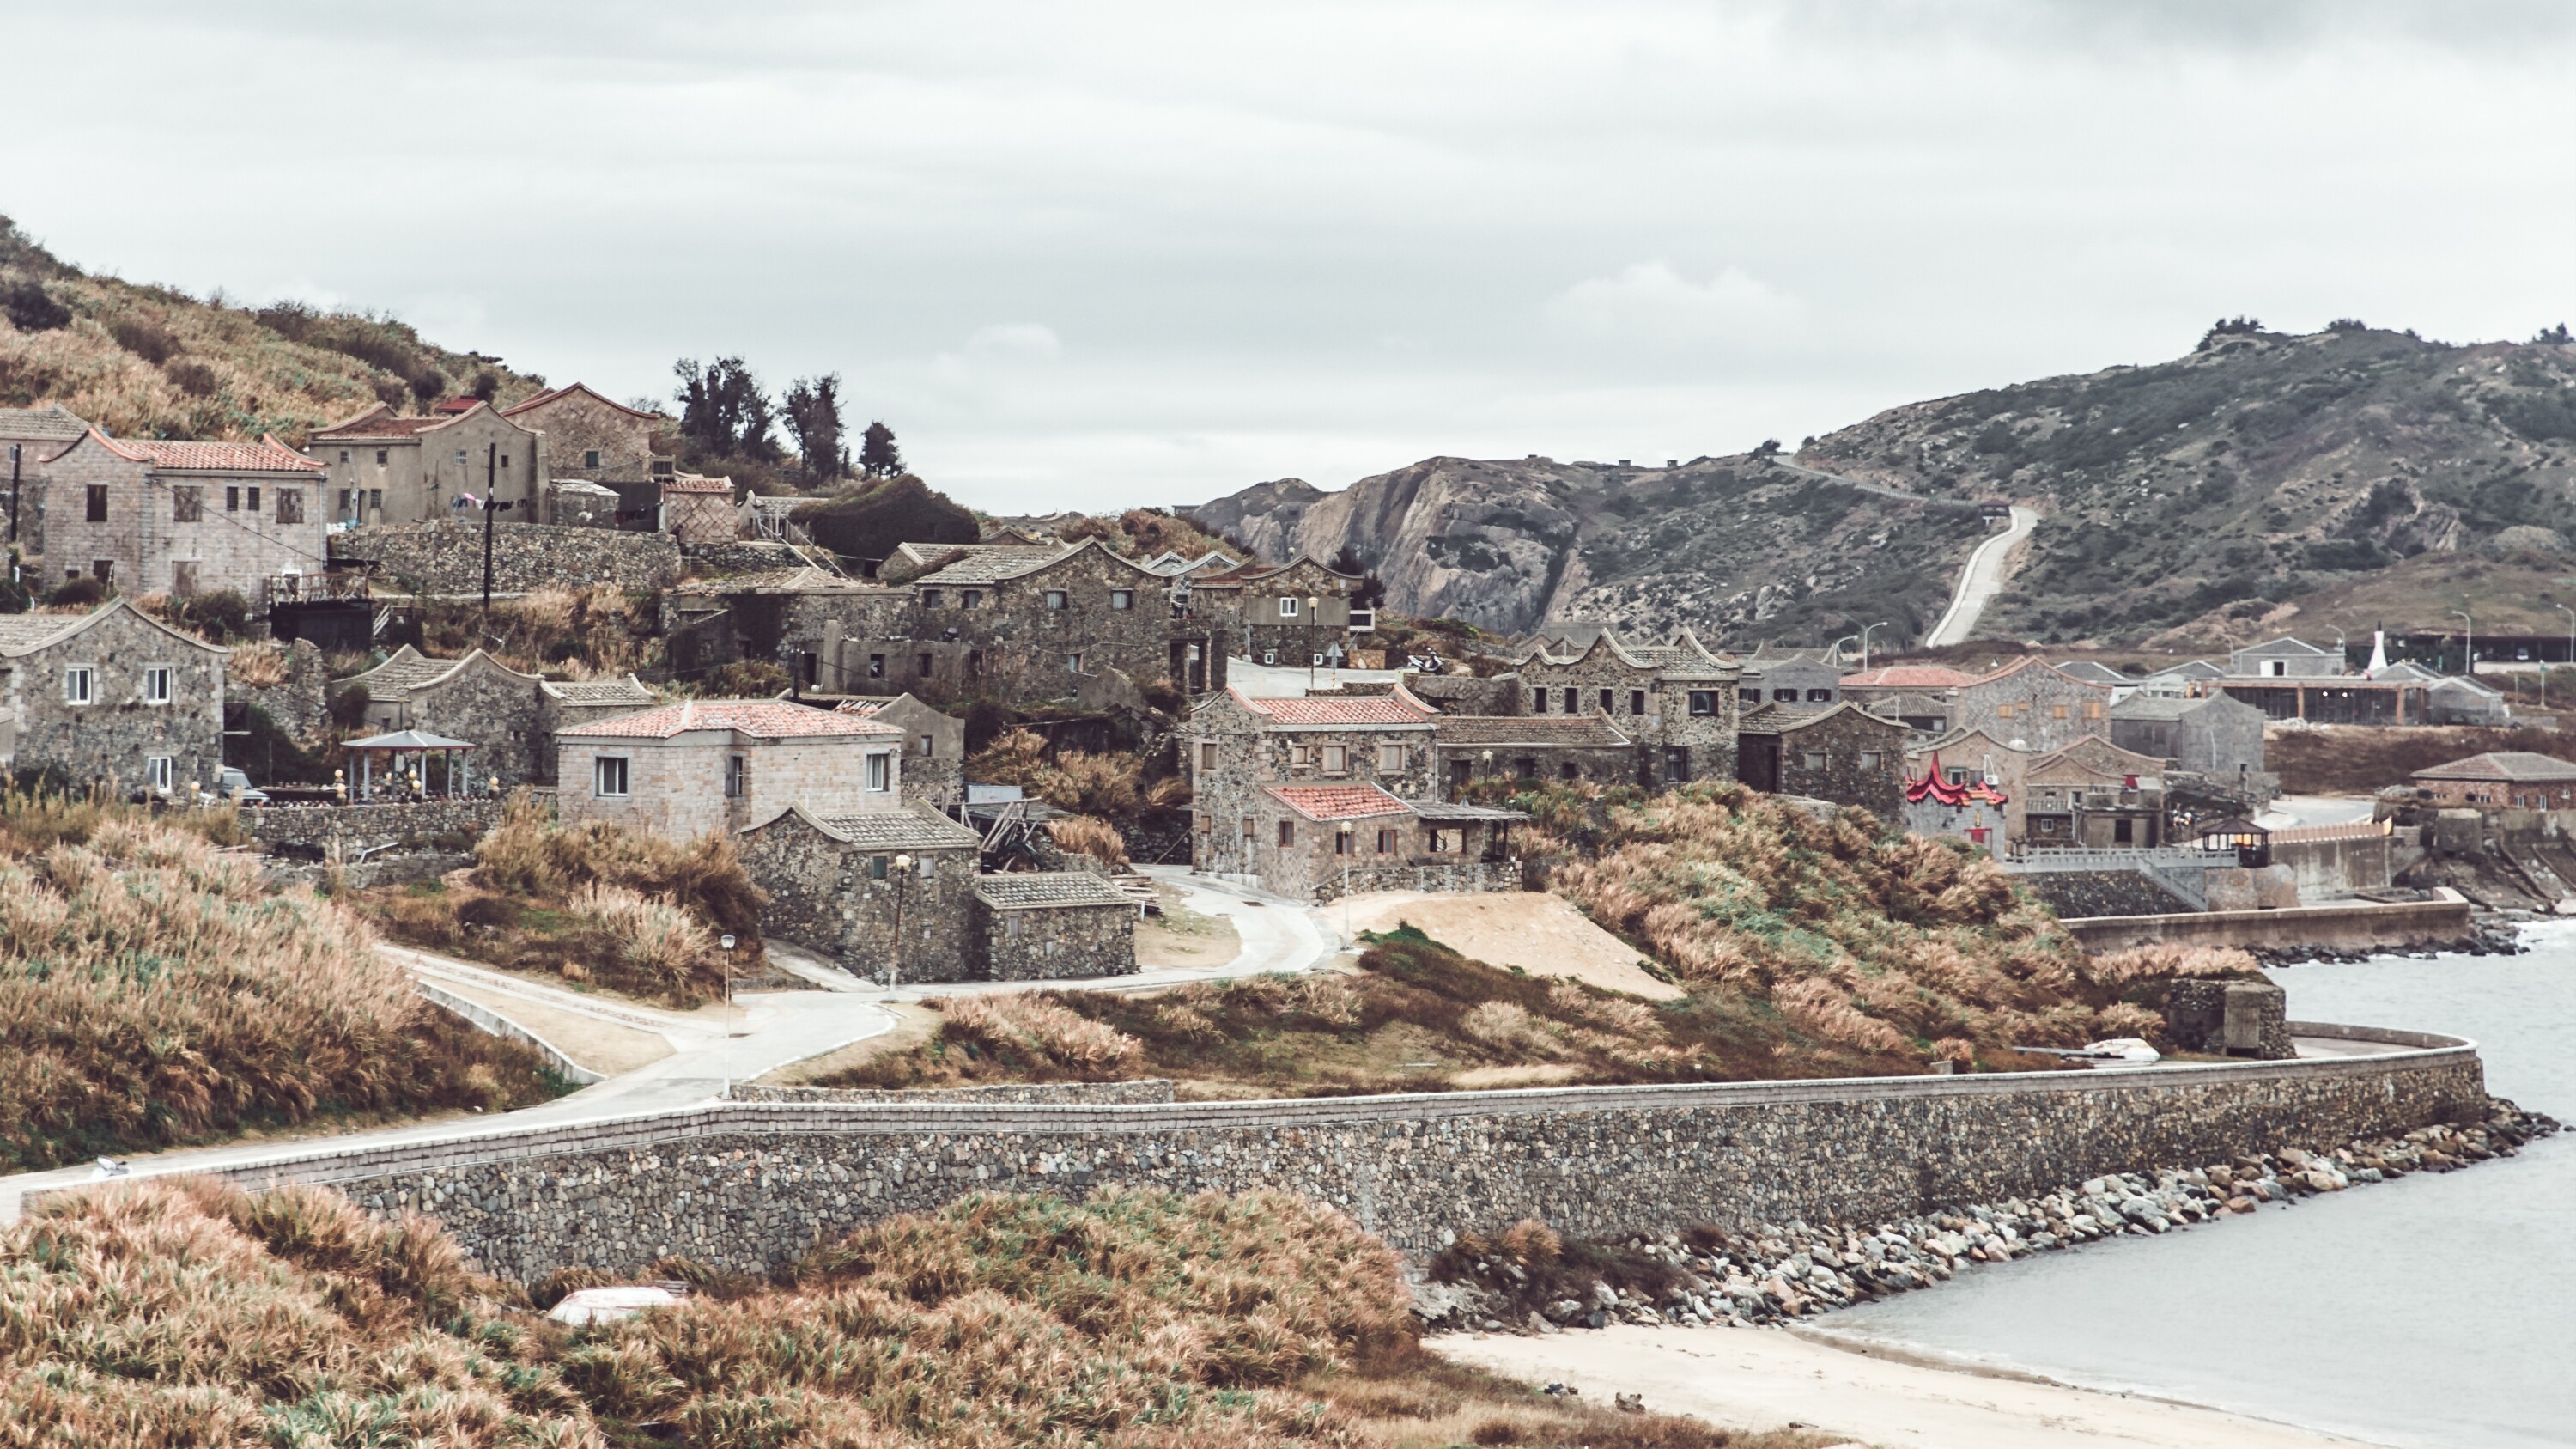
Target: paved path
[(2290, 811), (1980, 581)]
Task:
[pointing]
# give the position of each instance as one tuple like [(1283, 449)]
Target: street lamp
[(1314, 610), (894, 969), (1864, 642), (726, 941), (1837, 650), (2469, 645), (2571, 652)]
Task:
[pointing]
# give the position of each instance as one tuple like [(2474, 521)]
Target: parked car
[(232, 784)]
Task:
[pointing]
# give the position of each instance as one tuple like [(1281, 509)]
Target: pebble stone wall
[(744, 1185), (274, 825), (446, 557)]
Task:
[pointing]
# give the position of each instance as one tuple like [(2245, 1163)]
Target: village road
[(1981, 580)]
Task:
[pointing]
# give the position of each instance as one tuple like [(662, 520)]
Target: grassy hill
[(150, 361)]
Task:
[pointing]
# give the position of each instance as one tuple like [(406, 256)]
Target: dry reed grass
[(153, 992), (261, 664), (1110, 787), (1091, 836), (175, 1313)]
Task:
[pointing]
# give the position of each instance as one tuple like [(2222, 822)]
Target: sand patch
[(1537, 932)]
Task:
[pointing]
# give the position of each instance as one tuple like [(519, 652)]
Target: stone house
[(1944, 802), (2502, 779), (2181, 681), (1675, 700), (2035, 703), (2219, 736), (110, 695), (593, 439), (183, 518), (1973, 757), (381, 467), (1297, 613), (1532, 747), (2455, 699), (29, 436), (1923, 696), (1053, 926), (2095, 795), (1024, 622), (1789, 676), (510, 718), (934, 747), (834, 887), (1312, 842), (1840, 753), (703, 766), (699, 510), (1235, 745), (2285, 658)]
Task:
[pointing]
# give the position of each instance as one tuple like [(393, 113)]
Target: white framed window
[(1057, 599), (80, 684), (737, 775), (1390, 758), (608, 777), (1122, 598), (1814, 759), (1337, 759), (156, 684), (1288, 607), (880, 771), (156, 772)]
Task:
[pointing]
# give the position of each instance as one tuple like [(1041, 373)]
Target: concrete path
[(2290, 811), (772, 1030), (1981, 580)]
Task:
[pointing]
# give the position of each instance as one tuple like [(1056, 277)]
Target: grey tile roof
[(1037, 890), (2521, 767), (22, 632), (52, 421), (989, 563), (900, 830), (2093, 672), (598, 691), (395, 678)]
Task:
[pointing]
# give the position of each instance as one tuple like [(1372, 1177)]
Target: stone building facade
[(1924, 696), (1839, 753), (182, 518), (1236, 745), (592, 439), (113, 695), (1297, 614), (2502, 779), (834, 887), (1966, 757), (2220, 736), (2035, 703), (1944, 802), (1793, 677), (2285, 658), (934, 747), (2093, 794), (510, 718), (1675, 700), (382, 467), (33, 435), (699, 511), (707, 766), (1533, 747), (445, 556), (1318, 842), (1053, 926)]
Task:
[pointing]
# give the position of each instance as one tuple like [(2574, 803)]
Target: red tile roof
[(268, 455), (1908, 676), (1366, 709), (1338, 802), (765, 718), (696, 483)]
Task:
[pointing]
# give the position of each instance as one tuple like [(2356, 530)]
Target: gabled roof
[(2284, 645), (558, 394), (2168, 706), (2027, 663), (2408, 669), (268, 455), (394, 678), (382, 422), (1036, 890), (22, 634), (2350, 830), (767, 719), (629, 690), (1937, 789), (1781, 719), (408, 740), (1909, 676), (904, 829), (1963, 737), (993, 563), (1397, 708), (804, 579), (1252, 573), (2092, 757), (2093, 672), (1534, 730), (696, 483), (2517, 767), (2463, 682), (2195, 669), (51, 423), (1337, 802)]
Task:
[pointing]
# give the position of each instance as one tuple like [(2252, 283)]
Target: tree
[(2557, 335), (1372, 590), (878, 456), (1768, 450), (30, 309), (723, 412), (813, 412)]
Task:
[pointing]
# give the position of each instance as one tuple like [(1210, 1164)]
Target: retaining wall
[(446, 557), (745, 1184), (370, 824), (2357, 927)]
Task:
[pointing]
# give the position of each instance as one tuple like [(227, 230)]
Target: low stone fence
[(743, 1185), (1153, 1091), (2359, 926), (1463, 877), (319, 825), (441, 557)]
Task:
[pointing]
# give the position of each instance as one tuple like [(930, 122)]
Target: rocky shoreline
[(2489, 935), (1525, 1280)]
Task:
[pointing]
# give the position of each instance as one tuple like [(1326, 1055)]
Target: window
[(608, 777), (1869, 759), (348, 501), (2275, 668), (1390, 759), (505, 462), (1337, 759), (183, 576), (80, 684), (929, 746), (1820, 696), (1742, 696), (1288, 607), (2093, 709), (1269, 656), (1445, 842), (880, 772), (1287, 832), (344, 455), (1525, 767), (97, 503), (1247, 832), (376, 500), (1954, 775), (1607, 696), (156, 684), (969, 598), (1703, 701), (2124, 832), (460, 457), (2057, 711), (290, 505), (232, 498), (1341, 842), (1538, 702), (187, 505), (930, 598), (103, 570), (1122, 598), (921, 665), (1073, 663), (737, 768), (1386, 842), (1056, 600), (1299, 756), (876, 666), (250, 498), (877, 867), (1207, 754), (1784, 696), (1570, 706), (380, 457), (156, 772), (590, 458), (1566, 771), (1636, 701), (1812, 759)]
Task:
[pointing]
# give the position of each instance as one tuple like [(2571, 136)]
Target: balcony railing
[(313, 588)]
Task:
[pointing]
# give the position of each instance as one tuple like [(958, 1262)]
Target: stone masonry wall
[(2081, 893), (116, 735), (824, 896), (1057, 943), (445, 557), (275, 825), (1151, 1091), (745, 1185)]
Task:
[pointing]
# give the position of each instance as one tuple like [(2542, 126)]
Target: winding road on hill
[(1981, 580), (709, 1049)]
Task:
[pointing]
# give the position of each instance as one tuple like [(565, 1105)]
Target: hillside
[(153, 362), (2262, 482)]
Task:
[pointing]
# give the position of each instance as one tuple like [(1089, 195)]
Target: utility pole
[(13, 493), (491, 472)]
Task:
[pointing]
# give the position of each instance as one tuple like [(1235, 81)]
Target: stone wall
[(446, 557), (745, 1185), (117, 734), (298, 704), (1057, 943), (824, 895), (319, 825), (2333, 870), (1154, 1091), (2085, 893), (740, 556), (2229, 1018), (1458, 877), (2353, 927)]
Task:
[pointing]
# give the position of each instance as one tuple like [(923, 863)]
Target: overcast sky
[(1086, 255)]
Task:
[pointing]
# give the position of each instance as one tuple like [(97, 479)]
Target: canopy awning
[(407, 740)]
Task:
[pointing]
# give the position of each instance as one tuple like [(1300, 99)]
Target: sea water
[(2437, 1310)]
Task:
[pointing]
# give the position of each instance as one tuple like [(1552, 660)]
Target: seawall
[(745, 1184), (2356, 926)]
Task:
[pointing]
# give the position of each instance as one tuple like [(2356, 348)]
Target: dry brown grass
[(584, 633), (152, 992), (172, 1313), (1111, 787), (1091, 836), (260, 665)]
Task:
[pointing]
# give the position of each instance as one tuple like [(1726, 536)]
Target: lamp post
[(726, 941), (1837, 650), (1314, 607), (894, 969), (2469, 644), (1864, 642), (2571, 652)]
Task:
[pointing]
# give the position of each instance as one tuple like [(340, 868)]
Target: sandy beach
[(1752, 1378)]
